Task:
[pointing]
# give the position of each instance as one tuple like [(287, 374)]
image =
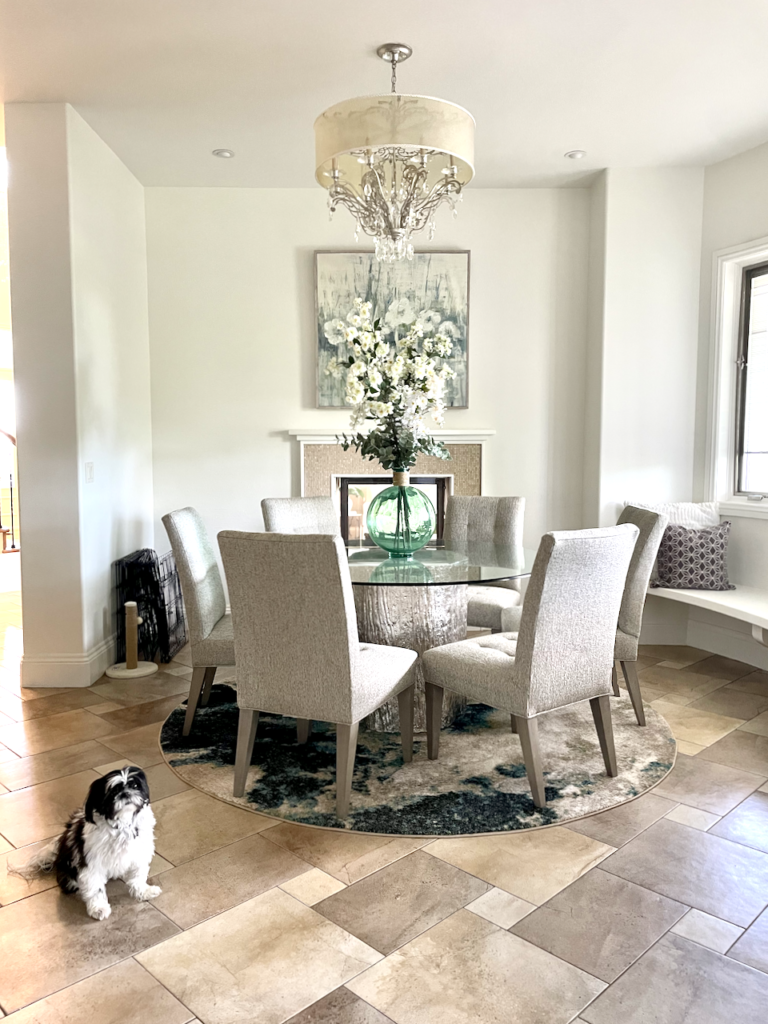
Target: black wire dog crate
[(151, 581)]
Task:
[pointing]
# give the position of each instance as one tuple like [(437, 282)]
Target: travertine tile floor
[(653, 913)]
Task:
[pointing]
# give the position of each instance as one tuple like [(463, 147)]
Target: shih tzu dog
[(111, 836)]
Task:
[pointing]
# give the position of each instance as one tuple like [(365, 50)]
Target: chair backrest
[(199, 574), (651, 526), (300, 515), (568, 627), (293, 612), (480, 520)]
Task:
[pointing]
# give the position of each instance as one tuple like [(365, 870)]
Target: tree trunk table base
[(416, 617)]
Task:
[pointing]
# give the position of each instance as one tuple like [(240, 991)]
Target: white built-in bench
[(748, 604)]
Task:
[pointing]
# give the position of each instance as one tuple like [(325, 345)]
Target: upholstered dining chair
[(210, 627), (319, 672), (482, 522), (300, 515), (651, 526), (564, 651)]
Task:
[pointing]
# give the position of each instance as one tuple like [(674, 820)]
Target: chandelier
[(392, 160)]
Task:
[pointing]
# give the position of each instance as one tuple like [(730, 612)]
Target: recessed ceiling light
[(225, 154), (575, 154)]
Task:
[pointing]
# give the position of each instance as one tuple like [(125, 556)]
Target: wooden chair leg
[(629, 669), (615, 681), (303, 730), (601, 712), (195, 687), (513, 723), (405, 709), (246, 735), (434, 696), (528, 730), (346, 747), (207, 684)]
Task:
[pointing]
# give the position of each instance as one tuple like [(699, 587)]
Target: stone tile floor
[(652, 913)]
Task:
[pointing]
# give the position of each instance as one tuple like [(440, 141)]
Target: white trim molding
[(728, 265), (321, 435), (46, 670)]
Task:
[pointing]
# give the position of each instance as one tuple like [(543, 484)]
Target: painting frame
[(355, 255)]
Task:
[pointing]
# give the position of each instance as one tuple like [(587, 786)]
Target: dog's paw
[(149, 892), (99, 911)]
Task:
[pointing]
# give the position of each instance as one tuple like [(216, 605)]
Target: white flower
[(350, 333), (367, 340), (429, 320), (334, 368), (355, 390), (449, 330), (366, 308), (354, 318), (382, 350), (374, 377), (399, 312), (335, 332), (357, 369)]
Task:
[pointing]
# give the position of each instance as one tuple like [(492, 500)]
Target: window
[(752, 384)]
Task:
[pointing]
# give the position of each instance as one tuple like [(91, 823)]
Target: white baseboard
[(48, 670), (727, 641), (670, 622)]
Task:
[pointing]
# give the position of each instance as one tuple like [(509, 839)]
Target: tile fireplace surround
[(322, 460)]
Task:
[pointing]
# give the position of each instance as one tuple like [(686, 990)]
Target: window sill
[(744, 508)]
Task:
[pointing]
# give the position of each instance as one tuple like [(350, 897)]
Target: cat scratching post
[(132, 668)]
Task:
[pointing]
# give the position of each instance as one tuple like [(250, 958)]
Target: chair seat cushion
[(510, 619), (381, 672), (218, 648), (481, 669), (486, 604), (625, 648)]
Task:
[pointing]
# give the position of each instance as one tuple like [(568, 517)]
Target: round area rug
[(477, 785)]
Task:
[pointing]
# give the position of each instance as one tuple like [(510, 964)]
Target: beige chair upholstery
[(210, 627), (319, 671), (564, 651), (651, 526), (300, 515), (474, 523)]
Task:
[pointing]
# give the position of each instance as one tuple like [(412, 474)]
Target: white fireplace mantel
[(321, 435)]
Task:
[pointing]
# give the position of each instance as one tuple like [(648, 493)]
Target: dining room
[(393, 482)]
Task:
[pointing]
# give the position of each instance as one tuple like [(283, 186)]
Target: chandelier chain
[(394, 72)]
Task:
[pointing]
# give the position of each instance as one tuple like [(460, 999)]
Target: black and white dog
[(112, 836)]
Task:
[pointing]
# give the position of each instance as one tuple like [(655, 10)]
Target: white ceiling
[(164, 82)]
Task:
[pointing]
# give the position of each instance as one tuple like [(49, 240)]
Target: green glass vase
[(401, 519)]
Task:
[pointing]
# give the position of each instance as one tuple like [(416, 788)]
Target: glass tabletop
[(438, 566)]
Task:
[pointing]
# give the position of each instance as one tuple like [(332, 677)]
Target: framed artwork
[(401, 292)]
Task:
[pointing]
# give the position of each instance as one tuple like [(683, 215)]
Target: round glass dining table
[(421, 602)]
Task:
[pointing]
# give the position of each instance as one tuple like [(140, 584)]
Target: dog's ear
[(96, 798)]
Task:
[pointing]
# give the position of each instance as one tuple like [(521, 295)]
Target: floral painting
[(429, 291)]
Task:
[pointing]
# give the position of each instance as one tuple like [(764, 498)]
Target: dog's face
[(118, 795)]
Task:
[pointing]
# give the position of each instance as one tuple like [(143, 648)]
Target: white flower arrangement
[(394, 384)]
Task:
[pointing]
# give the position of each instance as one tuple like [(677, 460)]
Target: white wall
[(80, 328), (232, 346), (735, 212), (44, 368), (650, 331), (109, 285)]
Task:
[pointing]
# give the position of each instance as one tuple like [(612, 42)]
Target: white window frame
[(728, 265)]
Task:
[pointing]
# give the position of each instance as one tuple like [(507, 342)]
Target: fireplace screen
[(357, 492)]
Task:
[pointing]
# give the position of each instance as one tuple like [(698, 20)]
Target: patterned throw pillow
[(694, 559)]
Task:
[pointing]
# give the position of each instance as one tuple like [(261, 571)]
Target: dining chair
[(319, 672), (478, 522), (563, 653), (210, 627), (651, 526), (300, 515)]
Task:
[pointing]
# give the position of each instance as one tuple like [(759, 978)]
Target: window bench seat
[(749, 604)]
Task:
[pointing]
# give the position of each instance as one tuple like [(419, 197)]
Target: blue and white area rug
[(477, 785)]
